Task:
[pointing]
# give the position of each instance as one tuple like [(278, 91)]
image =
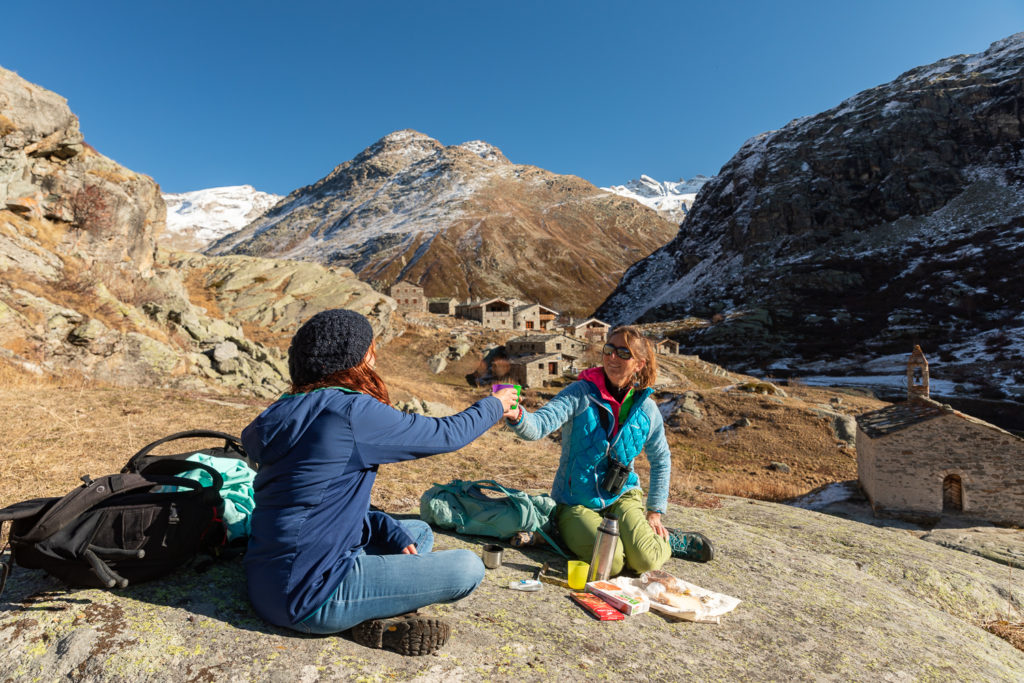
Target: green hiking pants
[(639, 547)]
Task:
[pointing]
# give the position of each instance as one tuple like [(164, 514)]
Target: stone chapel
[(923, 459)]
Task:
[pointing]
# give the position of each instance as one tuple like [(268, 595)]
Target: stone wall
[(442, 307), (903, 471), (535, 372), (535, 317)]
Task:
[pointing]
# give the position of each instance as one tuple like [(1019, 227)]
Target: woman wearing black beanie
[(319, 560)]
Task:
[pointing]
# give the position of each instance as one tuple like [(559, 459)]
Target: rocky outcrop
[(823, 598), (461, 221), (273, 297), (106, 213), (85, 290), (895, 218)]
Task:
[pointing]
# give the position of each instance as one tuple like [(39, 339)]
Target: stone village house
[(538, 369), (545, 343), (666, 346), (409, 297), (534, 317), (591, 329), (495, 313), (443, 305), (924, 459)]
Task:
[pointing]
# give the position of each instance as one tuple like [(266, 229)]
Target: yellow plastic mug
[(578, 574)]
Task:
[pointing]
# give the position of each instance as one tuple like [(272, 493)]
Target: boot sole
[(410, 636)]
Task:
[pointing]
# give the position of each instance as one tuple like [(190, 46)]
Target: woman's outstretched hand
[(410, 549), (654, 519), (507, 397)]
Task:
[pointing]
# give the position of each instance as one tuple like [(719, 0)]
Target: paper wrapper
[(711, 605)]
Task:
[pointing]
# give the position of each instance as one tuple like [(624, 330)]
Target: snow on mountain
[(195, 219), (671, 199)]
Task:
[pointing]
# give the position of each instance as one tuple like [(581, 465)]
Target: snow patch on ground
[(827, 495)]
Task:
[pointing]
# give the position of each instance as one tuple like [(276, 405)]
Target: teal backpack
[(464, 507)]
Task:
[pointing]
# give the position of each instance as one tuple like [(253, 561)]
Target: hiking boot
[(690, 545), (523, 539), (406, 634)]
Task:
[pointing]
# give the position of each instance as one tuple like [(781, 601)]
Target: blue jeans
[(383, 584)]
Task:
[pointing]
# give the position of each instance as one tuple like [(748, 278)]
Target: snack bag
[(598, 607)]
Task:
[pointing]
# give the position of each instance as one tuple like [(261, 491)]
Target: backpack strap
[(138, 462), (22, 510)]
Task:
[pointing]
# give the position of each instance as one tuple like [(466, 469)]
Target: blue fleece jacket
[(318, 455)]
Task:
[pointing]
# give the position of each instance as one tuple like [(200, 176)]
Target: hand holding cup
[(509, 399)]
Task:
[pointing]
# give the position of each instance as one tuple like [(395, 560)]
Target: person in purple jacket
[(319, 559)]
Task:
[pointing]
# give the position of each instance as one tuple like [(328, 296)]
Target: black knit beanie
[(331, 340)]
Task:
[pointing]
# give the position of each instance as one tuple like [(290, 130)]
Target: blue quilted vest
[(589, 450)]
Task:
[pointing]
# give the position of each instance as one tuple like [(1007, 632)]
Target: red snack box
[(598, 607)]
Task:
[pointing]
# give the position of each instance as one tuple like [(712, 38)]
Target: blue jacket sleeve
[(387, 532), (552, 416), (383, 434), (660, 458)]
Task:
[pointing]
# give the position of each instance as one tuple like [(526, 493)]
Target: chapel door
[(952, 494)]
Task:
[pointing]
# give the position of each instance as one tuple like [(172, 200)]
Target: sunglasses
[(622, 352)]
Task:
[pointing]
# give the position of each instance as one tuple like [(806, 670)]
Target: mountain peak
[(459, 220)]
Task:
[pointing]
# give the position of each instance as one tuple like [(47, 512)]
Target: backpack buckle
[(5, 566)]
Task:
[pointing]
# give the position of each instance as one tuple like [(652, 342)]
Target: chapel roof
[(898, 416)]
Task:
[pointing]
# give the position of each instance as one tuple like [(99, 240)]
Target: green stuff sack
[(465, 507)]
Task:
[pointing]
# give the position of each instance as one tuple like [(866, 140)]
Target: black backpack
[(124, 528)]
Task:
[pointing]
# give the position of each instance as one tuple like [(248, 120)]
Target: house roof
[(481, 302), (442, 299), (577, 323), (540, 338), (535, 358), (524, 307)]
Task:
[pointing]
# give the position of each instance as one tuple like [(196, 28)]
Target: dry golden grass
[(109, 175), (58, 429), (1013, 633), (6, 126), (783, 429), (201, 293)]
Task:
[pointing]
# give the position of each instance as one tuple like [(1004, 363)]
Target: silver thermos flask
[(604, 549)]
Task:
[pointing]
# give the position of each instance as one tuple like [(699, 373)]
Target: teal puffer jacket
[(583, 464)]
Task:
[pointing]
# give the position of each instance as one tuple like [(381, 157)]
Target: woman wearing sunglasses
[(607, 418)]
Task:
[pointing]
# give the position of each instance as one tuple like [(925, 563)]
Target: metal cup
[(491, 555)]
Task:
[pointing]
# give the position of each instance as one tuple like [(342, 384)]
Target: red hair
[(361, 378)]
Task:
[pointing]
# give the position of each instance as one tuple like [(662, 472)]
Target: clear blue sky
[(203, 94)]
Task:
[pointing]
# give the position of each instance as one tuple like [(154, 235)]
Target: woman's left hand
[(410, 549), (654, 519)]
